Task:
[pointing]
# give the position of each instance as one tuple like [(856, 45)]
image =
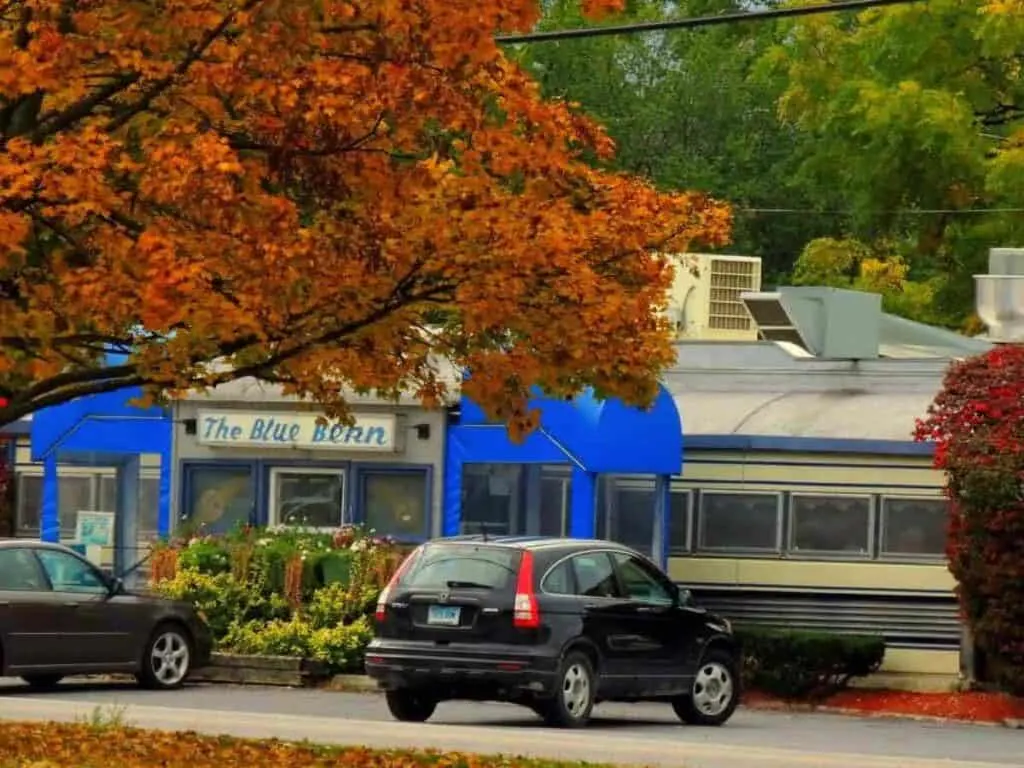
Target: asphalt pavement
[(640, 734)]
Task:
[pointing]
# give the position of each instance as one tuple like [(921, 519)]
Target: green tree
[(849, 263), (916, 115), (684, 111)]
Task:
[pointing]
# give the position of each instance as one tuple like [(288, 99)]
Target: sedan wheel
[(167, 660)]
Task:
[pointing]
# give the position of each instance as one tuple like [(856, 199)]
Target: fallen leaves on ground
[(65, 745), (970, 706)]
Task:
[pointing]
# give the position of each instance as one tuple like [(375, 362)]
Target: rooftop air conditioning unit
[(705, 301)]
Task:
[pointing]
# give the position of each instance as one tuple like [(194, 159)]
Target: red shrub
[(977, 424)]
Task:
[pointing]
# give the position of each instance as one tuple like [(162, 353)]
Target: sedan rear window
[(447, 566)]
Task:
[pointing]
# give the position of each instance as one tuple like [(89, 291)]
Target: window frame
[(908, 557), (758, 552), (825, 554), (690, 493), (357, 507), (274, 471)]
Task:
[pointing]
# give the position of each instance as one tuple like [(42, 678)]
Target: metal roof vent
[(999, 295), (830, 323)]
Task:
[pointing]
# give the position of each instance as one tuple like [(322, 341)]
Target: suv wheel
[(167, 659), (715, 692), (574, 699), (410, 706)]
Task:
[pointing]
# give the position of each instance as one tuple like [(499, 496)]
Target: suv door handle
[(71, 604)]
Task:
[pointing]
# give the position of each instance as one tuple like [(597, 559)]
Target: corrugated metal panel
[(904, 619)]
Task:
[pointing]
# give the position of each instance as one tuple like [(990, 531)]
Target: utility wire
[(697, 21)]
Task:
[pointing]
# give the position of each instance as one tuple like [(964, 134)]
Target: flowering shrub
[(977, 425), (282, 591)]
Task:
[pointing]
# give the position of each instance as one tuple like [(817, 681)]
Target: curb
[(853, 712), (349, 684)]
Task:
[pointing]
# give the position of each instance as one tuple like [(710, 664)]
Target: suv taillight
[(385, 594), (526, 614)]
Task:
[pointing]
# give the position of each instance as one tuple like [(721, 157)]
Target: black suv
[(556, 625)]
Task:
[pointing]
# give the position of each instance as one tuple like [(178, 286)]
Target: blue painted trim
[(363, 469), (188, 466), (806, 445), (451, 492), (49, 513), (164, 524)]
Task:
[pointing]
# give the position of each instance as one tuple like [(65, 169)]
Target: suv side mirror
[(116, 586), (685, 596)]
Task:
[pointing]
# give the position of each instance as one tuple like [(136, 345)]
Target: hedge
[(795, 664), (98, 745)]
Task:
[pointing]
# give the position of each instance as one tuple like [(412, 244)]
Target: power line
[(697, 21)]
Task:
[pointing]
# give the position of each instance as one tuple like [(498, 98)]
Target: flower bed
[(283, 592), (59, 745)]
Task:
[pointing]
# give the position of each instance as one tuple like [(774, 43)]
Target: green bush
[(796, 664), (237, 582), (340, 647)]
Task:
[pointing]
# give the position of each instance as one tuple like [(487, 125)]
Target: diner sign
[(254, 429)]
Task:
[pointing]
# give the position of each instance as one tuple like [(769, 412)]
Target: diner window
[(679, 521), (74, 495), (833, 524), (555, 501), (219, 499), (149, 501), (493, 498), (394, 503), (739, 521), (307, 498), (625, 511), (914, 527)]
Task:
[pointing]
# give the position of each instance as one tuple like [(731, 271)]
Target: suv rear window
[(442, 566)]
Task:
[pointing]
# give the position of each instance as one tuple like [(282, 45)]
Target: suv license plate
[(443, 615)]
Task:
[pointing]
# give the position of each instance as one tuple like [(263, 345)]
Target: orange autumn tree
[(331, 195)]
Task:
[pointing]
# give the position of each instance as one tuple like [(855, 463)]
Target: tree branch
[(195, 52)]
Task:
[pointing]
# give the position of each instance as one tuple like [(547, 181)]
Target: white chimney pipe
[(999, 295)]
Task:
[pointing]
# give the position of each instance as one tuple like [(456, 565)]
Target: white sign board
[(258, 429)]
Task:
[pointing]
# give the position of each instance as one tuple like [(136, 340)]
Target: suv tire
[(715, 692), (410, 706), (574, 698)]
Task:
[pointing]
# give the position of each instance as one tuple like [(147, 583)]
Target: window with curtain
[(394, 503), (219, 498)]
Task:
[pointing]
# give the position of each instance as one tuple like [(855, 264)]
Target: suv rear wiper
[(466, 585)]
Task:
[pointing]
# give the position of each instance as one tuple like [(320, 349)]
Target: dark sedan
[(60, 615)]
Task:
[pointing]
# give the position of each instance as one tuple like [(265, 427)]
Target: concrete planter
[(261, 670)]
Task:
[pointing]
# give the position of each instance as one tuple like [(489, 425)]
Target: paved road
[(636, 734)]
